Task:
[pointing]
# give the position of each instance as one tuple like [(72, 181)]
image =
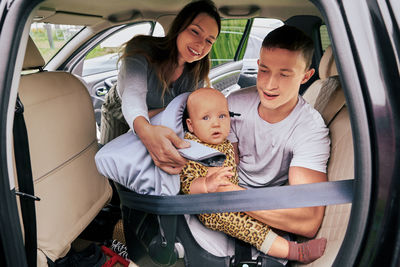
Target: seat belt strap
[(25, 183), (268, 198)]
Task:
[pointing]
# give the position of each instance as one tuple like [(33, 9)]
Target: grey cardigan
[(140, 89)]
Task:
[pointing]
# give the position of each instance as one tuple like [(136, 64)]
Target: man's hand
[(162, 144), (301, 221), (216, 177)]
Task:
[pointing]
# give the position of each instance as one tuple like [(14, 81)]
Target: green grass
[(98, 51), (224, 48), (39, 36)]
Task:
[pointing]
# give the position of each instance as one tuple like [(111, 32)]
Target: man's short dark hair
[(291, 38)]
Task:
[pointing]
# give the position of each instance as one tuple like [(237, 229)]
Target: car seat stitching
[(67, 162)]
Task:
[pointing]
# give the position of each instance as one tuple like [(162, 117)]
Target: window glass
[(232, 30), (224, 49), (325, 41), (50, 38), (259, 29), (104, 56), (158, 30)]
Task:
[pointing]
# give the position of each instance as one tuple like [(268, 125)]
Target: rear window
[(104, 56), (325, 41), (50, 38)]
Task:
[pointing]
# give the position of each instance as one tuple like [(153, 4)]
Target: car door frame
[(372, 99), (13, 39)]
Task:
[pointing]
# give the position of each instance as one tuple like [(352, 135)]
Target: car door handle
[(102, 91), (110, 82)]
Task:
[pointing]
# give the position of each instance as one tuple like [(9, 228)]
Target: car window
[(104, 56), (325, 41), (158, 30), (224, 49), (50, 38), (259, 29)]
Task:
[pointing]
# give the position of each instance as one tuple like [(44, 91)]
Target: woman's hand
[(162, 144), (216, 177)]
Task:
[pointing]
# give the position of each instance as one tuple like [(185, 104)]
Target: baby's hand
[(216, 177)]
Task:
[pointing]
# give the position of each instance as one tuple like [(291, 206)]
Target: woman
[(153, 71)]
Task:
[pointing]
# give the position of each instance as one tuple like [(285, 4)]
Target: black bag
[(92, 256)]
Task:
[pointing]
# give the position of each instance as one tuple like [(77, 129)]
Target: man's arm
[(301, 221)]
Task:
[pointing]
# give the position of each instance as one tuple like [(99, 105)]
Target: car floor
[(80, 244)]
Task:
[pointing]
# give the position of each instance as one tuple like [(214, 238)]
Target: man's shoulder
[(308, 123), (309, 115)]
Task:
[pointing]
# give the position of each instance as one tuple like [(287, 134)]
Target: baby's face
[(209, 119)]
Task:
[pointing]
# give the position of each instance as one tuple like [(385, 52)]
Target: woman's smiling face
[(196, 41)]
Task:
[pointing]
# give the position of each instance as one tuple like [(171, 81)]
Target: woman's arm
[(132, 88), (161, 142)]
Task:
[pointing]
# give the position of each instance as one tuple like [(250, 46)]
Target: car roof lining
[(69, 18), (90, 13)]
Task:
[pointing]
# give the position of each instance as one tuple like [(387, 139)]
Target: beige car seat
[(62, 141), (326, 95)]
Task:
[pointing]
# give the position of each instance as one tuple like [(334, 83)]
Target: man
[(278, 138)]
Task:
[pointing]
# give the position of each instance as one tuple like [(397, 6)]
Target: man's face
[(280, 74)]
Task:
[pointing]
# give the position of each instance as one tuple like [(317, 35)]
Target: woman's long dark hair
[(162, 52)]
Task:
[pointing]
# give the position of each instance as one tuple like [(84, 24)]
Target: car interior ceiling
[(333, 106), (53, 11)]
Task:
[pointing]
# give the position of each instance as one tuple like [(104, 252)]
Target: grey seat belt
[(268, 198)]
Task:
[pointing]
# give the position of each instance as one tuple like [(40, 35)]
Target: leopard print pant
[(236, 224)]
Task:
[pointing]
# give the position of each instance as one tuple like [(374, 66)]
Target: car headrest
[(336, 102), (33, 59), (330, 99), (327, 66)]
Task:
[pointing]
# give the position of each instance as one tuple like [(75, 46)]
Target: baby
[(208, 123)]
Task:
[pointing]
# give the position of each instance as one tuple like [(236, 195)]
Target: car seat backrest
[(62, 140), (319, 93), (327, 96)]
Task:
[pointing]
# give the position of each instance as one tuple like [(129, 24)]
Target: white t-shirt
[(267, 150)]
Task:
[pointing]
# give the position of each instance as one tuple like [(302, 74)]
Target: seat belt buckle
[(19, 107), (233, 114), (27, 196), (247, 264)]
